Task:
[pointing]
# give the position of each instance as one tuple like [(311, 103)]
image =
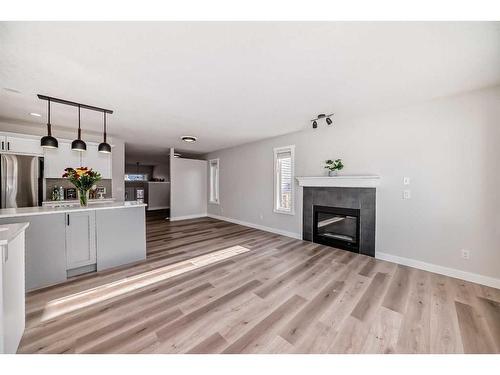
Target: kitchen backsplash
[(51, 182)]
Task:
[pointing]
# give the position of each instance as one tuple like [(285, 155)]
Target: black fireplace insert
[(337, 227)]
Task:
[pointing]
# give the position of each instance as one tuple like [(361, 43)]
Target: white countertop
[(10, 231), (30, 211)]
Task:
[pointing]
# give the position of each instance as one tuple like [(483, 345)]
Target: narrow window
[(214, 181), (283, 180)]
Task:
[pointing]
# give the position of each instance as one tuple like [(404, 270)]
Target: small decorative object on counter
[(334, 166), (55, 194), (83, 178)]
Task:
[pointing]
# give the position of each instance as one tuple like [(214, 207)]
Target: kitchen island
[(62, 242)]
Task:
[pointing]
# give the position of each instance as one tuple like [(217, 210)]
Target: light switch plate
[(406, 180), (406, 194)]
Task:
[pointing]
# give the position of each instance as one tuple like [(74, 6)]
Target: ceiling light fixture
[(322, 116), (49, 141), (188, 138), (35, 114), (177, 155), (78, 144), (104, 147)]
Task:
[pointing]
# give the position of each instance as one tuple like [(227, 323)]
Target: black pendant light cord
[(79, 128), (49, 130), (104, 127)]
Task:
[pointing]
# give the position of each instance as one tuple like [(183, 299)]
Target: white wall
[(449, 147), (188, 194)]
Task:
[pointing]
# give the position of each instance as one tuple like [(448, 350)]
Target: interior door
[(80, 239)]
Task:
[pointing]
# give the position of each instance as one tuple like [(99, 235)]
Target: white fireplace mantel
[(363, 181)]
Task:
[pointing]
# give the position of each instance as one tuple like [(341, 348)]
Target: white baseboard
[(297, 236), (452, 272), (187, 217)]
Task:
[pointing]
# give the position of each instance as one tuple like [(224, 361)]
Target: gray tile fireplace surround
[(346, 197)]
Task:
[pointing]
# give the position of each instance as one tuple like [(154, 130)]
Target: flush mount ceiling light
[(188, 138), (321, 117), (35, 114), (49, 141), (177, 155), (78, 144), (104, 147)]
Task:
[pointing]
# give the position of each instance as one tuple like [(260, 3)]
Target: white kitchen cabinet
[(20, 144), (57, 159), (96, 160), (12, 289), (80, 239), (28, 146)]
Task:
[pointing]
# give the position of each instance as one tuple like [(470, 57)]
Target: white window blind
[(214, 181), (283, 183)]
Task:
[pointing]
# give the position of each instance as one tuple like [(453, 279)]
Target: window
[(213, 166), (283, 180), (136, 177)]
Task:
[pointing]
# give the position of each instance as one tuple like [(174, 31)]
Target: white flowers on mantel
[(369, 181)]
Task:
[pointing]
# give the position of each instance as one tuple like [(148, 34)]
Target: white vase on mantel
[(333, 173)]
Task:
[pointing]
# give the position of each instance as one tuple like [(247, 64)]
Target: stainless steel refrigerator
[(21, 181)]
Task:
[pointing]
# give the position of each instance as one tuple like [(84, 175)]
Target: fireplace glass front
[(337, 227)]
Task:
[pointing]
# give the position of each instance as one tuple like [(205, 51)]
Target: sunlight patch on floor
[(104, 292)]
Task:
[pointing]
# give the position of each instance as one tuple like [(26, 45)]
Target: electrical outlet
[(465, 254), (406, 194), (406, 180)]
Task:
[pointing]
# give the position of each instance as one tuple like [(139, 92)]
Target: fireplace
[(346, 217), (337, 227)]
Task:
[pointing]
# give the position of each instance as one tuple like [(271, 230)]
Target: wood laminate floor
[(209, 286)]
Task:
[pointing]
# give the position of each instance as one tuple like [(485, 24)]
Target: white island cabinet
[(80, 239), (62, 242), (12, 290)]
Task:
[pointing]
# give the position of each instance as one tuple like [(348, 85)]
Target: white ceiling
[(232, 83)]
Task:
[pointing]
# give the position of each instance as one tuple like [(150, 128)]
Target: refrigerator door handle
[(3, 145)]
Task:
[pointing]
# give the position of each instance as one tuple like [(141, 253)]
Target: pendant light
[(78, 144), (104, 147), (49, 141)]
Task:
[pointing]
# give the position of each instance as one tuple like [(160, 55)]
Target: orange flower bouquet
[(83, 178)]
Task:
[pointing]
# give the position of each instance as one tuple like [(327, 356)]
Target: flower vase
[(333, 173), (83, 196)]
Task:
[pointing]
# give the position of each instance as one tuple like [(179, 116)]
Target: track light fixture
[(322, 116), (104, 147), (49, 141)]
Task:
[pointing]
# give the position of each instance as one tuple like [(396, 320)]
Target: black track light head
[(315, 124), (328, 120)]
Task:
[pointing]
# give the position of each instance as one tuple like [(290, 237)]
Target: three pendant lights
[(78, 144)]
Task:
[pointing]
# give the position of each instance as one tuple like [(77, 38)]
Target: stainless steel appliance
[(21, 181)]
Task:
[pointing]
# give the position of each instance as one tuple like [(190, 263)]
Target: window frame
[(276, 187), (217, 182)]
